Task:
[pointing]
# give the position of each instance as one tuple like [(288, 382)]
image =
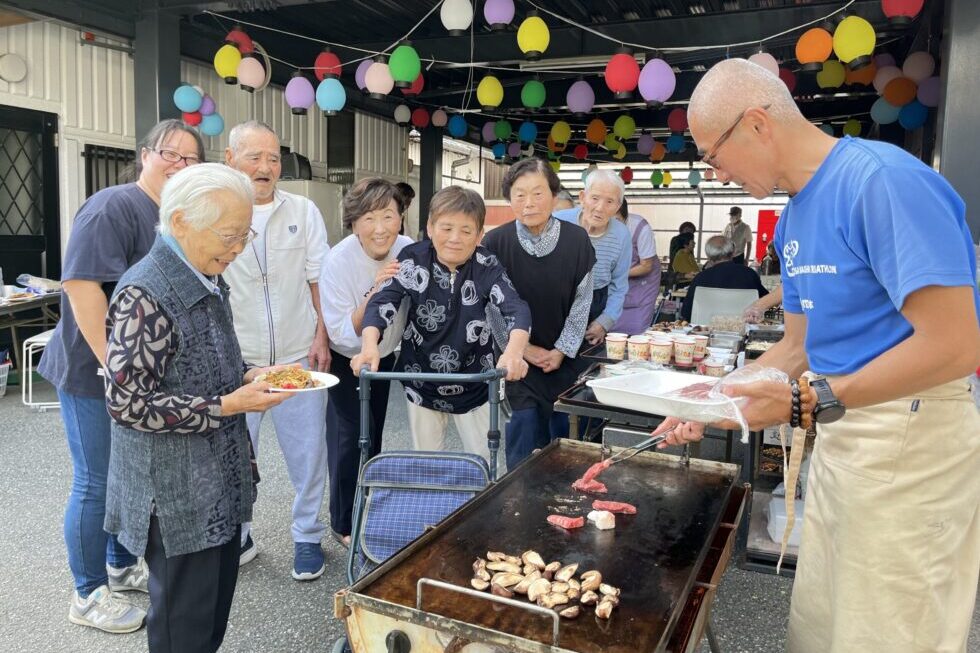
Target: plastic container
[(777, 521), (4, 374)]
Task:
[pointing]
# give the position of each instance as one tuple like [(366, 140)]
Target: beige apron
[(890, 555)]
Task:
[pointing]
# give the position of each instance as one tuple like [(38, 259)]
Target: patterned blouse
[(141, 343)]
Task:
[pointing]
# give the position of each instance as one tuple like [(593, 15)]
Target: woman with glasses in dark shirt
[(112, 230)]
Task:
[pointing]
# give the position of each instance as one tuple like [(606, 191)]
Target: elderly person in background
[(564, 200), (550, 263), (740, 234), (276, 303), (644, 275), (684, 263), (352, 272), (180, 477), (113, 230), (601, 199), (888, 324), (722, 273), (676, 243)]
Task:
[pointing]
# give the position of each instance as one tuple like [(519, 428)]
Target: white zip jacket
[(275, 319)]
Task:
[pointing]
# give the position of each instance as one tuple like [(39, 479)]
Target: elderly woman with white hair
[(180, 480), (600, 202)]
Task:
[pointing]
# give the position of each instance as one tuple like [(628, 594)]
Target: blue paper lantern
[(457, 126), (827, 128), (883, 112), (187, 98), (694, 178), (331, 96), (913, 115), (212, 125), (675, 143), (499, 150), (528, 132)]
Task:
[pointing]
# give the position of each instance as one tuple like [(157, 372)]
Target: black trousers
[(344, 431), (190, 595), (739, 259)]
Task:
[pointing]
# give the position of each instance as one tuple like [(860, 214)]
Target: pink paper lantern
[(439, 118), (765, 60), (885, 75), (251, 74)]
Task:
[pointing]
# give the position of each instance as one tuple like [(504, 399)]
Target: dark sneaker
[(106, 611), (308, 561), (249, 551)]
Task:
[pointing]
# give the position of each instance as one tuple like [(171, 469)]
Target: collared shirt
[(209, 282)]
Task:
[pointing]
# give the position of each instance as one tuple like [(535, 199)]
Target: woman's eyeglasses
[(173, 157)]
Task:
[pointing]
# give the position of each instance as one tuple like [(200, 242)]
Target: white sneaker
[(248, 551), (106, 611), (134, 578)]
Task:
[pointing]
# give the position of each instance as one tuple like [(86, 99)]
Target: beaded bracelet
[(796, 409)]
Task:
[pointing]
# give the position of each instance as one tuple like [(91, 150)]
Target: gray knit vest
[(199, 485)]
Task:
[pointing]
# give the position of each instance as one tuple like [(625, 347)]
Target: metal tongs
[(629, 452)]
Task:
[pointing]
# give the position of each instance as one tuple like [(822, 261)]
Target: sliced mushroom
[(479, 564), (574, 584), (608, 590), (591, 581), (501, 591), (565, 573), (611, 599), (553, 566), (524, 585), (514, 560), (538, 588), (533, 558), (589, 598), (479, 584), (552, 599), (604, 609), (508, 567), (571, 612), (495, 556), (506, 579), (527, 569), (572, 593), (558, 586), (483, 574)]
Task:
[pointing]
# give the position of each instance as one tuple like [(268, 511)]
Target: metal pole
[(493, 435), (700, 221), (156, 67)]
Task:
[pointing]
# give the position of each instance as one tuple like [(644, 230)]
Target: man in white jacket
[(276, 305)]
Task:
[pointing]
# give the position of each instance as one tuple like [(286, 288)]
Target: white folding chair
[(709, 302), (31, 346)]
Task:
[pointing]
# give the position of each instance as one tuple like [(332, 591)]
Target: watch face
[(831, 413)]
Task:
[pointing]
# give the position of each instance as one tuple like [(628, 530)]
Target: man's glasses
[(173, 157), (709, 158), (231, 241)]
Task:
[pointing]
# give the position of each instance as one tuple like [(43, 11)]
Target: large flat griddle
[(654, 556)]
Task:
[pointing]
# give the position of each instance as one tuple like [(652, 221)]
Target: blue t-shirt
[(113, 230), (871, 227)]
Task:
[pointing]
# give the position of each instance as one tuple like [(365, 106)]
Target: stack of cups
[(661, 348), (684, 350), (714, 367), (616, 346), (639, 348), (700, 347)]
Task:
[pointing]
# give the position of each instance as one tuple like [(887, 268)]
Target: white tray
[(645, 392)]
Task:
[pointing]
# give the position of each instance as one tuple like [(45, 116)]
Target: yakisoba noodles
[(292, 378)]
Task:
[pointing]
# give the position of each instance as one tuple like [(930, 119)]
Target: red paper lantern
[(193, 118), (789, 78), (622, 74), (677, 120), (420, 118), (581, 151), (327, 64), (626, 174), (900, 12), (240, 40), (415, 88)]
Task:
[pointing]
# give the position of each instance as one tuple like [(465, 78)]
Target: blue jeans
[(530, 429), (89, 546)]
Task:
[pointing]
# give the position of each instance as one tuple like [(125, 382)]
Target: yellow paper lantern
[(854, 41), (832, 75), (852, 128), (561, 132), (490, 92), (668, 178), (620, 152), (226, 61), (555, 165), (533, 36)]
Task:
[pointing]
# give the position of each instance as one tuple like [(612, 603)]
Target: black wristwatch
[(829, 408)]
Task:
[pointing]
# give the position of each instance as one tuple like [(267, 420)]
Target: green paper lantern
[(657, 178), (624, 127), (612, 143), (404, 65), (533, 94), (502, 129), (852, 127)]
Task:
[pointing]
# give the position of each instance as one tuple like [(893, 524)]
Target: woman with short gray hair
[(180, 479)]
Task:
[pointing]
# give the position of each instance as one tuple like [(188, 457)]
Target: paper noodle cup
[(616, 346), (661, 350), (639, 348), (700, 347), (684, 350)]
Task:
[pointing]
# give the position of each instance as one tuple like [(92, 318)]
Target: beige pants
[(890, 555), (429, 428)]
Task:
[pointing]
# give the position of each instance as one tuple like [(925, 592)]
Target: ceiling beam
[(110, 17)]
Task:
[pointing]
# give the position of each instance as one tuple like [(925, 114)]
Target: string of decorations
[(837, 54)]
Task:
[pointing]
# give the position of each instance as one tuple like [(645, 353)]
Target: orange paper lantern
[(900, 91), (814, 47), (862, 76), (658, 152), (596, 132)]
